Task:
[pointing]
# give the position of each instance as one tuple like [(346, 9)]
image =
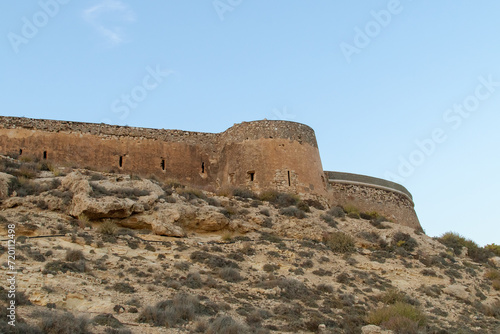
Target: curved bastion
[(259, 155)]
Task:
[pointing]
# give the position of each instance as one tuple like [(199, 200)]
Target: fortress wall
[(373, 196), (138, 155), (279, 164), (259, 155)]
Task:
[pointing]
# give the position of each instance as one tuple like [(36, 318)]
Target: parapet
[(369, 181), (270, 129)]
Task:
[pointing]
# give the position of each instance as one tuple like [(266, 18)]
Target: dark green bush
[(54, 267), (292, 211), (123, 287), (280, 200), (244, 193), (336, 212), (302, 205), (107, 320), (405, 241)]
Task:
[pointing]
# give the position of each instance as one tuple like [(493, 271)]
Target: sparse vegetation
[(56, 322), (300, 282), (456, 242)]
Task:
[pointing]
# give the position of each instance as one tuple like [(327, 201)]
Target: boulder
[(458, 291), (495, 261), (204, 219), (108, 206), (103, 207), (372, 329)]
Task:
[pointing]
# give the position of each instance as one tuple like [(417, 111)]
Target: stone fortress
[(258, 155)]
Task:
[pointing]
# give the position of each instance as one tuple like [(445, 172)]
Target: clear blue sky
[(372, 78)]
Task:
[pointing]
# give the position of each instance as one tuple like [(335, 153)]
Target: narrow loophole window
[(289, 183), (44, 155), (202, 167), (251, 176), (20, 151), (120, 162), (162, 164)]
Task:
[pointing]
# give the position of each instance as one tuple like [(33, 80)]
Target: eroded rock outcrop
[(113, 199)]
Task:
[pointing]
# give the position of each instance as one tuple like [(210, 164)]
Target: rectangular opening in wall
[(162, 164), (44, 155), (20, 151), (289, 183), (251, 175), (120, 162), (202, 167)]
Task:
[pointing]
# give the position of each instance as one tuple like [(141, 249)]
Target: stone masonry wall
[(395, 206)]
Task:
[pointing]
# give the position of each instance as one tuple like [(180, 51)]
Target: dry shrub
[(280, 200), (230, 275), (292, 211), (55, 322), (495, 249), (339, 242), (399, 317), (336, 212), (172, 313), (107, 228), (492, 274), (225, 324), (74, 255), (244, 193)]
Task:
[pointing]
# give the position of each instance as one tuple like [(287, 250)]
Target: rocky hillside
[(110, 253)]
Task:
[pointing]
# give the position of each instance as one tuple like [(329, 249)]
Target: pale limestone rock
[(76, 183), (104, 207), (108, 206), (372, 329), (495, 261), (4, 184), (13, 202), (166, 229), (204, 219), (458, 291)]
